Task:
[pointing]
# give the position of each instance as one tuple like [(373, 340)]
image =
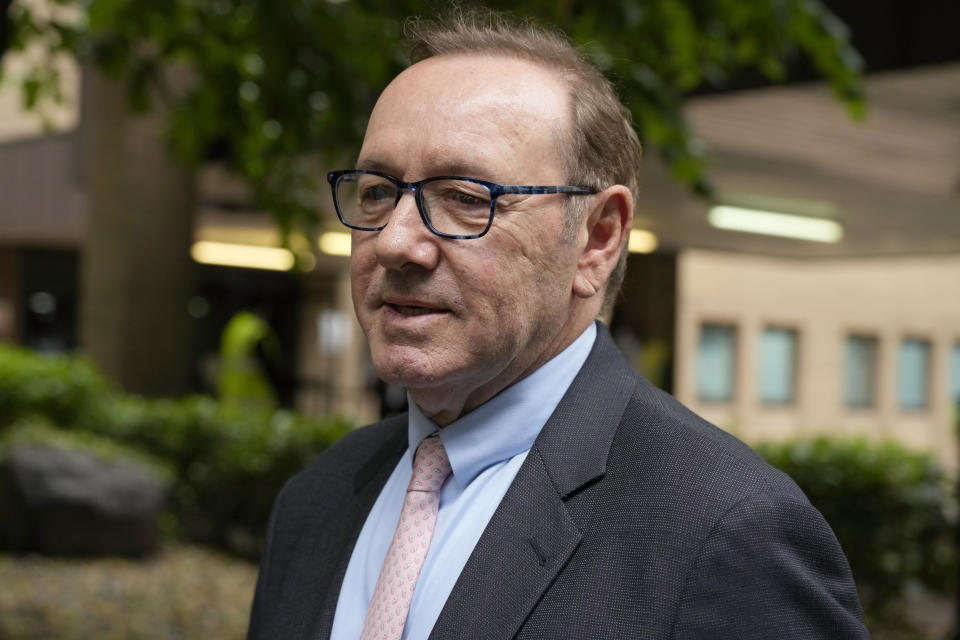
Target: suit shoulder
[(686, 448), (789, 575)]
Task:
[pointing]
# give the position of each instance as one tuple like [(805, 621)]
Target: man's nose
[(406, 239)]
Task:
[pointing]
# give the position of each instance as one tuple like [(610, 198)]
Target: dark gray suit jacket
[(630, 518)]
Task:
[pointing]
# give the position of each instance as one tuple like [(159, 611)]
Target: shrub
[(890, 508), (62, 388), (229, 465)]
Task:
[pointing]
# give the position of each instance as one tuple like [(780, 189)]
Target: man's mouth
[(410, 310)]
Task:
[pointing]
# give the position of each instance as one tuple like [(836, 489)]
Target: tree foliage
[(278, 88)]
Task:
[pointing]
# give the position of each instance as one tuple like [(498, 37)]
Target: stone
[(72, 502)]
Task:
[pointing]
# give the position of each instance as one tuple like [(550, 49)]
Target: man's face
[(457, 321)]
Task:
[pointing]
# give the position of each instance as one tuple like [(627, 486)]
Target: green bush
[(228, 465), (62, 388), (890, 507)]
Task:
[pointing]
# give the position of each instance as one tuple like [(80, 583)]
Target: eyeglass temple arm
[(542, 190)]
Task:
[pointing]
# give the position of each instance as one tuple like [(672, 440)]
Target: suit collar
[(532, 534), (386, 456), (576, 440)]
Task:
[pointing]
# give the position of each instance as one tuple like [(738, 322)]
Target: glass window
[(860, 374), (715, 362), (778, 362), (914, 373), (955, 374)]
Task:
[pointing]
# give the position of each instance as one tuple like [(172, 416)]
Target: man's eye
[(469, 200), (463, 197), (457, 203), (376, 193)]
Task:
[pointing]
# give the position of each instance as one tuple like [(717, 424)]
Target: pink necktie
[(398, 576)]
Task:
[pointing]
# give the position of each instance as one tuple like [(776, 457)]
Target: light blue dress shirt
[(486, 448)]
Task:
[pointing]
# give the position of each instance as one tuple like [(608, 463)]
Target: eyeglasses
[(450, 206)]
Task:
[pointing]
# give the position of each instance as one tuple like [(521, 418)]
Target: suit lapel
[(528, 540), (367, 484), (532, 534)]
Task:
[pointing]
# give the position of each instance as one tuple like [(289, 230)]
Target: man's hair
[(602, 148)]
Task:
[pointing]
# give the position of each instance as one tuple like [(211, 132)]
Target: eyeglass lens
[(454, 207)]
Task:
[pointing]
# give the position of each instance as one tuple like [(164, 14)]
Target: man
[(538, 488)]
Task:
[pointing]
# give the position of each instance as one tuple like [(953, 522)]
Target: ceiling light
[(775, 224), (335, 243), (242, 255), (641, 241)]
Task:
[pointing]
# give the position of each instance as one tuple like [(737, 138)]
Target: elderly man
[(537, 488)]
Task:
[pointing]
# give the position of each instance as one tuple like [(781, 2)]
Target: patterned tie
[(398, 576)]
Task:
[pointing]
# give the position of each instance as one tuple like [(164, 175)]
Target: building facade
[(775, 348)]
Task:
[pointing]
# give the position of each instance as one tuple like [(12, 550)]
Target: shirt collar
[(508, 423)]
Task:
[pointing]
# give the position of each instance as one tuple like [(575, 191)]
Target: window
[(955, 375), (914, 373), (715, 363), (778, 361), (860, 373)]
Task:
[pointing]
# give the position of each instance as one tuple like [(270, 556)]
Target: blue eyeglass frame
[(496, 190)]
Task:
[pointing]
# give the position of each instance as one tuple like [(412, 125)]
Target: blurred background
[(176, 331)]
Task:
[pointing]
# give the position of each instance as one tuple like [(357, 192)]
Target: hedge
[(228, 465)]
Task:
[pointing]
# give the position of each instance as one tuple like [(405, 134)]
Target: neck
[(443, 405)]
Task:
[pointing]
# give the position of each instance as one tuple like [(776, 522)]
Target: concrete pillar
[(137, 275)]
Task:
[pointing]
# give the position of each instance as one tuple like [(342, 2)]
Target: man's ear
[(607, 228)]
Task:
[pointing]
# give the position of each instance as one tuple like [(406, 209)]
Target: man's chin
[(409, 367)]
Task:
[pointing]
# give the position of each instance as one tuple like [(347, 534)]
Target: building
[(853, 332)]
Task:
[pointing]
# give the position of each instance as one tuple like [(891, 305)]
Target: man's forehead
[(472, 85), (453, 109)]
